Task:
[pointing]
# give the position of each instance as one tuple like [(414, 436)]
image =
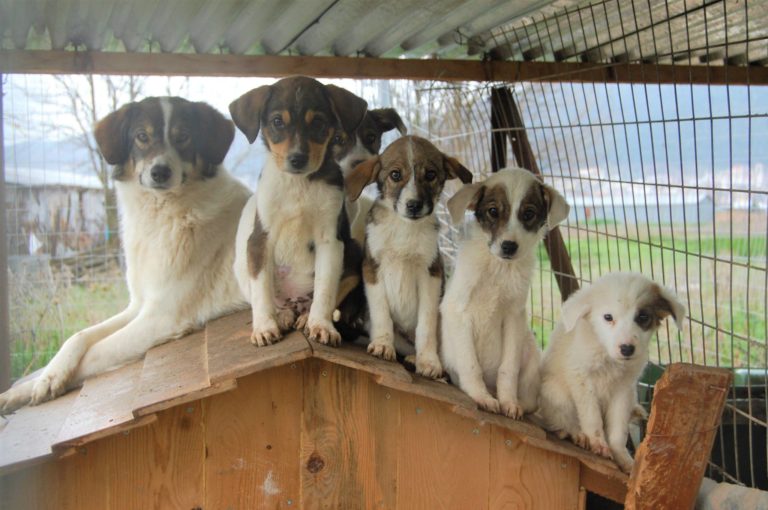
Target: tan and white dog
[(402, 266), (178, 216), (487, 346), (595, 357), (293, 243)]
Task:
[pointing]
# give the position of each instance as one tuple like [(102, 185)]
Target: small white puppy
[(487, 346), (595, 357)]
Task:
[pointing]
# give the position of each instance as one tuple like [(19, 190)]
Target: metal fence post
[(5, 340)]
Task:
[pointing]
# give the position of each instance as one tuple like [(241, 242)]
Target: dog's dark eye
[(182, 138), (493, 213), (642, 318), (608, 317), (336, 139), (369, 139), (529, 215), (278, 123), (431, 175), (396, 176), (318, 124), (142, 137)]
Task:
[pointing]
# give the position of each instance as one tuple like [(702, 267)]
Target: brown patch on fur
[(361, 176), (370, 269), (535, 203), (279, 150), (257, 248), (655, 306), (317, 152), (436, 268), (494, 197)]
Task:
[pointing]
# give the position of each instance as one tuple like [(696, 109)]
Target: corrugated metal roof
[(664, 31)]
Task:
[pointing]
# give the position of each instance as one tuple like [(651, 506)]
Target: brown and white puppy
[(178, 217), (487, 346), (293, 237), (402, 266), (351, 149), (595, 357)]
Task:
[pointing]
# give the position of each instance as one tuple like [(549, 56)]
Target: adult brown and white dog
[(402, 266), (487, 346), (293, 242), (595, 357), (351, 149), (178, 216)]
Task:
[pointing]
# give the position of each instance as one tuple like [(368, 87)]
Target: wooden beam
[(190, 64), (5, 338), (506, 115), (686, 410)]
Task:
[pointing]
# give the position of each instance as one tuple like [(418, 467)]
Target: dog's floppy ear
[(388, 119), (466, 198), (558, 208), (456, 170), (349, 108), (112, 136), (246, 111), (212, 133), (361, 176), (667, 304), (574, 308)]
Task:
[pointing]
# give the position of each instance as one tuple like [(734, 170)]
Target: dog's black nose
[(627, 350), (508, 248), (160, 173), (414, 206), (298, 160)]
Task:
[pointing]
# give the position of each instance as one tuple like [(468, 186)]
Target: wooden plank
[(349, 438), (434, 390), (606, 486), (522, 476), (173, 370), (31, 431), (599, 464), (231, 354), (685, 413), (353, 356), (252, 442), (442, 458), (522, 428), (104, 403), (169, 64)]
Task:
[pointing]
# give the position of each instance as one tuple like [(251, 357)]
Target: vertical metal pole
[(5, 339)]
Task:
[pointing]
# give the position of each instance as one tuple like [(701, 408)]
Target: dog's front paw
[(512, 410), (16, 398), (382, 347), (265, 332), (639, 414), (624, 461), (322, 331), (51, 384), (429, 365), (600, 447), (286, 319), (301, 321), (488, 403), (580, 439)]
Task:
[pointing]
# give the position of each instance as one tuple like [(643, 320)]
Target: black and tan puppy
[(402, 267), (293, 243)]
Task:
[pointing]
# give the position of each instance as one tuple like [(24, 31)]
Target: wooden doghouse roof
[(211, 361)]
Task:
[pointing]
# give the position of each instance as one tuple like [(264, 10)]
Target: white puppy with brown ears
[(595, 357), (402, 266), (486, 344)]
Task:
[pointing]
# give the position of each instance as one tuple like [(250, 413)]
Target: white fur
[(487, 346), (588, 388), (179, 249), (294, 211)]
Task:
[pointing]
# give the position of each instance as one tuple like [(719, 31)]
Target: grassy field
[(726, 301)]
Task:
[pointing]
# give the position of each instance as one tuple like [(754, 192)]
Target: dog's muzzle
[(297, 162), (508, 249), (160, 176)]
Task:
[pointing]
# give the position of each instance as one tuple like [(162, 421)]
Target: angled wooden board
[(349, 439), (231, 354), (31, 432), (252, 442), (172, 371), (104, 403), (353, 356)]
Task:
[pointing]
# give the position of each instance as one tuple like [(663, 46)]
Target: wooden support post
[(505, 116), (5, 340), (687, 406)]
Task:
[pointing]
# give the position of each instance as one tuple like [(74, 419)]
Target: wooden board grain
[(104, 403), (353, 356), (442, 458), (522, 476), (349, 440), (685, 413), (231, 355), (171, 371), (31, 431), (252, 442)]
